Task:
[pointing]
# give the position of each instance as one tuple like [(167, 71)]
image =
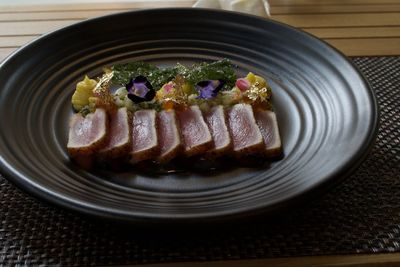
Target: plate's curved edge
[(53, 198)]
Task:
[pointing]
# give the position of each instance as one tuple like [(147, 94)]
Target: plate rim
[(53, 198)]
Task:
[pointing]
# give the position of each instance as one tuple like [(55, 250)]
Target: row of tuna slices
[(164, 135)]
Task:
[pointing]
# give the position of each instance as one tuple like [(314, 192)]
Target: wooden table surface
[(356, 27)]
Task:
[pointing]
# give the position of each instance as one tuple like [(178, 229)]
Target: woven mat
[(362, 215)]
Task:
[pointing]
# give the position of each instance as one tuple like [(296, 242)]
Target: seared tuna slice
[(119, 139), (216, 121), (144, 135), (87, 134), (268, 125), (168, 136), (246, 135), (195, 134)]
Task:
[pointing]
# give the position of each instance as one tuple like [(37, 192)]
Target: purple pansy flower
[(140, 90), (209, 89)]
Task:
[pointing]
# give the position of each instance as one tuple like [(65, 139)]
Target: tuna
[(148, 135), (168, 136), (268, 125), (216, 121), (195, 133), (246, 135), (144, 135), (87, 134), (119, 140)]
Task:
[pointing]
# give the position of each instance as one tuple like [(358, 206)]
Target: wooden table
[(356, 27)]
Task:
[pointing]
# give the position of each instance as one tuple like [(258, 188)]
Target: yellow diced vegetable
[(83, 91), (188, 89), (252, 78), (261, 81)]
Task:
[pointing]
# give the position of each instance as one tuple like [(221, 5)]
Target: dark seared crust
[(201, 149), (175, 152), (84, 161), (92, 149), (276, 153), (145, 154), (272, 153), (215, 153), (116, 152), (250, 150), (119, 151), (171, 155)]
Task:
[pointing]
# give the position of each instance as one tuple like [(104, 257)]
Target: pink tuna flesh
[(144, 135), (245, 134), (168, 135), (195, 133), (216, 121), (119, 131), (268, 125), (86, 134)]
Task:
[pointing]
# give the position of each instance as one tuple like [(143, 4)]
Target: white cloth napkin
[(255, 7)]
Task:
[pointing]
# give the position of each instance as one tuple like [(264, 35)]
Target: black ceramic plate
[(327, 114)]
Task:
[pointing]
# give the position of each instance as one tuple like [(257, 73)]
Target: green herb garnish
[(123, 73), (218, 70), (160, 77)]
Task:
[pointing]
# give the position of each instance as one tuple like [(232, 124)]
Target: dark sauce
[(186, 166)]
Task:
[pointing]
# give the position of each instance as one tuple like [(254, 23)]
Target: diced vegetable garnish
[(259, 91), (83, 91), (255, 79), (143, 85), (243, 84)]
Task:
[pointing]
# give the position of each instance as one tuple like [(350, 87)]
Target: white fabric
[(255, 7)]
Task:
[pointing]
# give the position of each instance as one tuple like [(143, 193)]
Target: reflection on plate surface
[(326, 112)]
